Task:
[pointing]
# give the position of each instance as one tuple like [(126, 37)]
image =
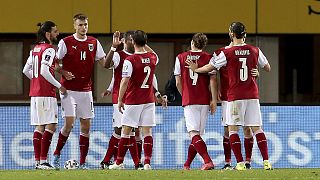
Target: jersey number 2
[(147, 70), (243, 69)]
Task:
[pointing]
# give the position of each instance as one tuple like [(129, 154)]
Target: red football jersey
[(79, 59), (140, 88), (240, 61), (39, 86), (195, 86), (117, 74)]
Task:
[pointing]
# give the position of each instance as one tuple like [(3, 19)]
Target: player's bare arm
[(108, 92), (179, 84), (148, 48), (123, 87), (267, 67), (107, 62), (194, 67), (214, 93)]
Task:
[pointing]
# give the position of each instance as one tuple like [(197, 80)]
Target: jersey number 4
[(194, 77), (243, 69)]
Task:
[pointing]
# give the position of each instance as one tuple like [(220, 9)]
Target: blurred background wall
[(287, 31)]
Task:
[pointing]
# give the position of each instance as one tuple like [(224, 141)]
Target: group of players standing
[(134, 92)]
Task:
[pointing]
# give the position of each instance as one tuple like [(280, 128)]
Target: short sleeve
[(262, 60), (62, 50), (100, 52), (177, 70), (127, 69), (116, 60), (218, 61), (48, 56)]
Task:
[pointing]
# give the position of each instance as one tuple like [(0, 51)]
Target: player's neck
[(194, 49), (139, 49), (81, 36), (125, 48), (238, 41)]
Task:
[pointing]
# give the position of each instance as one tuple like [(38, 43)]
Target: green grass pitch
[(159, 174)]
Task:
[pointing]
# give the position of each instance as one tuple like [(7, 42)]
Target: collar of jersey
[(240, 44), (127, 52), (74, 35), (140, 52)]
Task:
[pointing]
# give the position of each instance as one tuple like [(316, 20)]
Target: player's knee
[(193, 133)]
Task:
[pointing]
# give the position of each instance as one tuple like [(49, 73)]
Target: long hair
[(43, 28)]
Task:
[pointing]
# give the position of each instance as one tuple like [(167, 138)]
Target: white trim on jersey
[(100, 52), (46, 61), (116, 60), (127, 69), (177, 70), (262, 60), (27, 69), (218, 61), (81, 40), (62, 50)]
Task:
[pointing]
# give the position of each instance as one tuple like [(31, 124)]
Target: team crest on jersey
[(90, 46)]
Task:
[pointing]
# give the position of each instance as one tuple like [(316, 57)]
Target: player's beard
[(130, 48), (54, 40)]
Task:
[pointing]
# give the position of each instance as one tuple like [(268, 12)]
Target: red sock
[(262, 144), (227, 149), (235, 144), (248, 145), (139, 146), (147, 147), (84, 147), (112, 149), (45, 144), (191, 155), (201, 148), (37, 145), (133, 149), (123, 147), (61, 142)]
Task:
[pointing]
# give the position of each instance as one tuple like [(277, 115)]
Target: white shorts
[(244, 112), (116, 118), (77, 104), (224, 113), (139, 115), (196, 117), (44, 110)]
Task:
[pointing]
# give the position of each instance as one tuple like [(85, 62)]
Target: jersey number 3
[(243, 69)]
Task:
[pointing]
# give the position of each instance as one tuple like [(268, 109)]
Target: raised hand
[(116, 39)]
